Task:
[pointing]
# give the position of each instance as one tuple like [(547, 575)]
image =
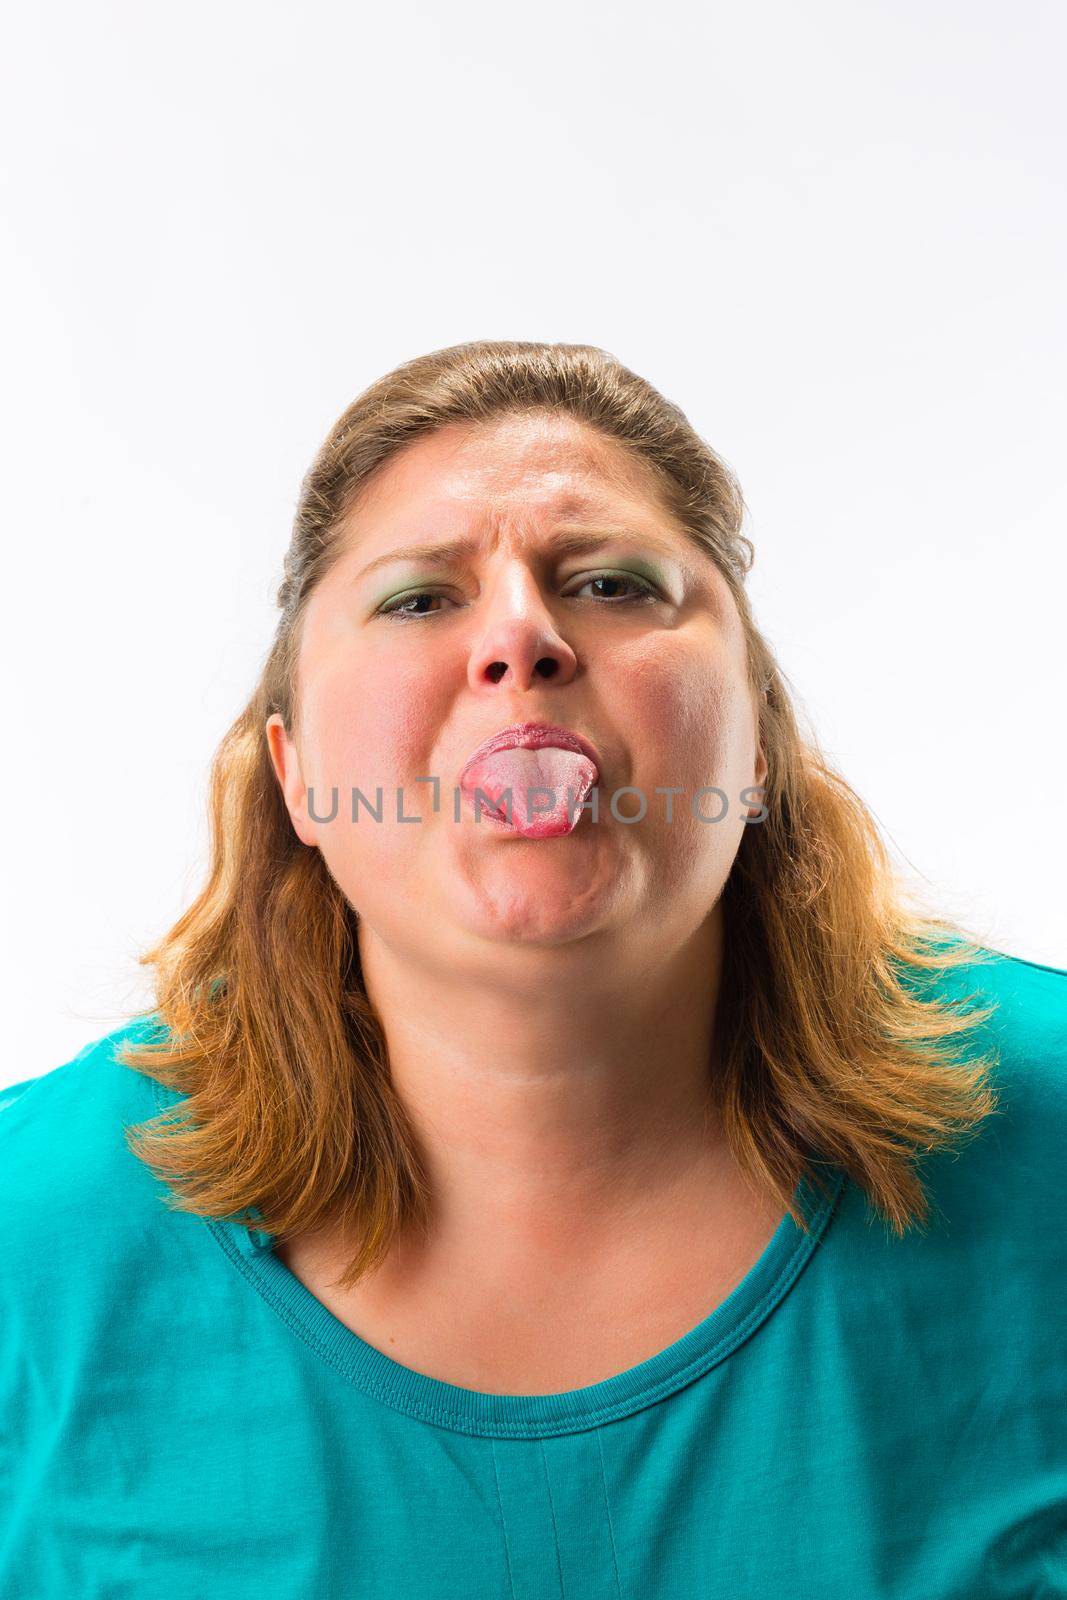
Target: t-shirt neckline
[(471, 1411)]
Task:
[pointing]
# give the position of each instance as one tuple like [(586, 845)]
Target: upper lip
[(532, 736)]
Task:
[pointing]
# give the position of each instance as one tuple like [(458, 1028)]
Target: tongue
[(546, 785)]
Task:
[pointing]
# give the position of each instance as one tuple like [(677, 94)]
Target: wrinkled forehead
[(534, 463)]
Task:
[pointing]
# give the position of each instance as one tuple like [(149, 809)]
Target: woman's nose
[(519, 639)]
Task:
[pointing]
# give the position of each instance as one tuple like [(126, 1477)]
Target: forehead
[(540, 463)]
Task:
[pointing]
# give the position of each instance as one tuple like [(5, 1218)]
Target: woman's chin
[(538, 893)]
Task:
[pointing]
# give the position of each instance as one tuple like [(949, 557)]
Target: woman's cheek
[(380, 733), (679, 712), (348, 728)]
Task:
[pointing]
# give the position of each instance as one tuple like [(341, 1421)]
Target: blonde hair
[(827, 1053)]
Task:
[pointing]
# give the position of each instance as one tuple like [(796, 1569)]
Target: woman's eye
[(393, 608), (645, 590), (398, 607)]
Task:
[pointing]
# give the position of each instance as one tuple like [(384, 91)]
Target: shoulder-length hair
[(826, 1052)]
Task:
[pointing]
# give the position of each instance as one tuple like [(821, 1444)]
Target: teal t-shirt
[(863, 1416)]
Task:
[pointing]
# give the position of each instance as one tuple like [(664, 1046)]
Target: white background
[(833, 233)]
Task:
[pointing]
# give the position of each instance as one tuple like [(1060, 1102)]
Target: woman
[(504, 1146)]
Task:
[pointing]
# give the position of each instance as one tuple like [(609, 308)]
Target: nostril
[(547, 667)]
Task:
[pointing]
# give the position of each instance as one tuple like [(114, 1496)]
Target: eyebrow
[(576, 543)]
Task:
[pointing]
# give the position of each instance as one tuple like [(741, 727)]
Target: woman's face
[(633, 642)]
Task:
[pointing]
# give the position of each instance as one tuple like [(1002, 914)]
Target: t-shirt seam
[(607, 1513), (552, 1511), (503, 1518)]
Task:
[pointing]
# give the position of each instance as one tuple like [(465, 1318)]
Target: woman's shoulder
[(1013, 1171), (1028, 1026), (66, 1170)]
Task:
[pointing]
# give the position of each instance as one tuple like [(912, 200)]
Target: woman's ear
[(761, 759), (285, 759), (761, 768)]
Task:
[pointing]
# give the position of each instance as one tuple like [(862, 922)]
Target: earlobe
[(285, 760), (759, 778)]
